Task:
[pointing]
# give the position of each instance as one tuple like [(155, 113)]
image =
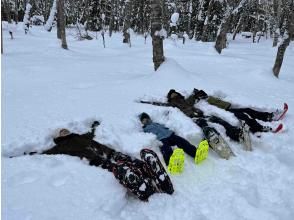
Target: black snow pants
[(167, 143), (249, 116), (231, 131)]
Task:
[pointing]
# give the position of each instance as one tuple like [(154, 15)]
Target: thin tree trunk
[(204, 37), (127, 24), (1, 38), (111, 22), (156, 26), (7, 11), (275, 26), (50, 20), (221, 40), (61, 21), (58, 18), (238, 27), (255, 28), (16, 12)]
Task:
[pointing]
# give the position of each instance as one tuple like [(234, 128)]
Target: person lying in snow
[(248, 115), (174, 159), (142, 177), (216, 142)]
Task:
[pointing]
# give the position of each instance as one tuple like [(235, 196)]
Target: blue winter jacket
[(159, 130)]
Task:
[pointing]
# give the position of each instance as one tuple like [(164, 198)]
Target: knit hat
[(144, 116), (172, 91)]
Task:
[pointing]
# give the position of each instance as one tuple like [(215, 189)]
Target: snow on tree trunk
[(221, 40), (276, 29), (61, 22), (174, 26), (204, 37), (280, 56), (49, 23), (127, 23), (174, 18), (26, 19), (157, 40), (287, 38), (241, 19)]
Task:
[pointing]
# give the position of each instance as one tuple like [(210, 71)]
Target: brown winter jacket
[(184, 105), (82, 146)]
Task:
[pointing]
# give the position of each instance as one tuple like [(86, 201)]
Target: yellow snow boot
[(202, 151), (176, 161)]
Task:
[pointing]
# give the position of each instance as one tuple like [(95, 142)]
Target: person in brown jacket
[(141, 177)]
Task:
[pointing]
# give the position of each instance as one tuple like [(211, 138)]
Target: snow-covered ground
[(45, 88)]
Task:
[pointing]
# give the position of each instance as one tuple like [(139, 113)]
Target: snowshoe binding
[(217, 143), (280, 114)]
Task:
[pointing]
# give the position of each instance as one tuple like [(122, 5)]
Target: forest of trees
[(201, 20)]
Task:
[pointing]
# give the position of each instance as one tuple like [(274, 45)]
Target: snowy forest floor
[(45, 88)]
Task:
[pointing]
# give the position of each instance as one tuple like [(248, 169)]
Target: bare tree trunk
[(165, 16), (7, 11), (275, 26), (238, 27), (280, 56), (221, 40), (204, 37), (58, 19), (16, 11), (111, 22), (282, 48), (127, 24), (1, 38), (61, 21), (156, 26), (50, 20), (255, 27)]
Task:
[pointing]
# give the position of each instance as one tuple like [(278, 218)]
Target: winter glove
[(93, 128), (95, 124), (200, 94)]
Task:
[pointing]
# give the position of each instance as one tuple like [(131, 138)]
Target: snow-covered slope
[(45, 88)]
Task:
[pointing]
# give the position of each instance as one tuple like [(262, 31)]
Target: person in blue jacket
[(167, 137)]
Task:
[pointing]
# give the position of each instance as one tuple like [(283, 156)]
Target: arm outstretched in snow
[(155, 103)]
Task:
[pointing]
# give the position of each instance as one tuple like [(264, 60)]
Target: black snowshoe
[(133, 179), (157, 171)]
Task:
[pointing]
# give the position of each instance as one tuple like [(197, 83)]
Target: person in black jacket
[(248, 115), (136, 175)]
